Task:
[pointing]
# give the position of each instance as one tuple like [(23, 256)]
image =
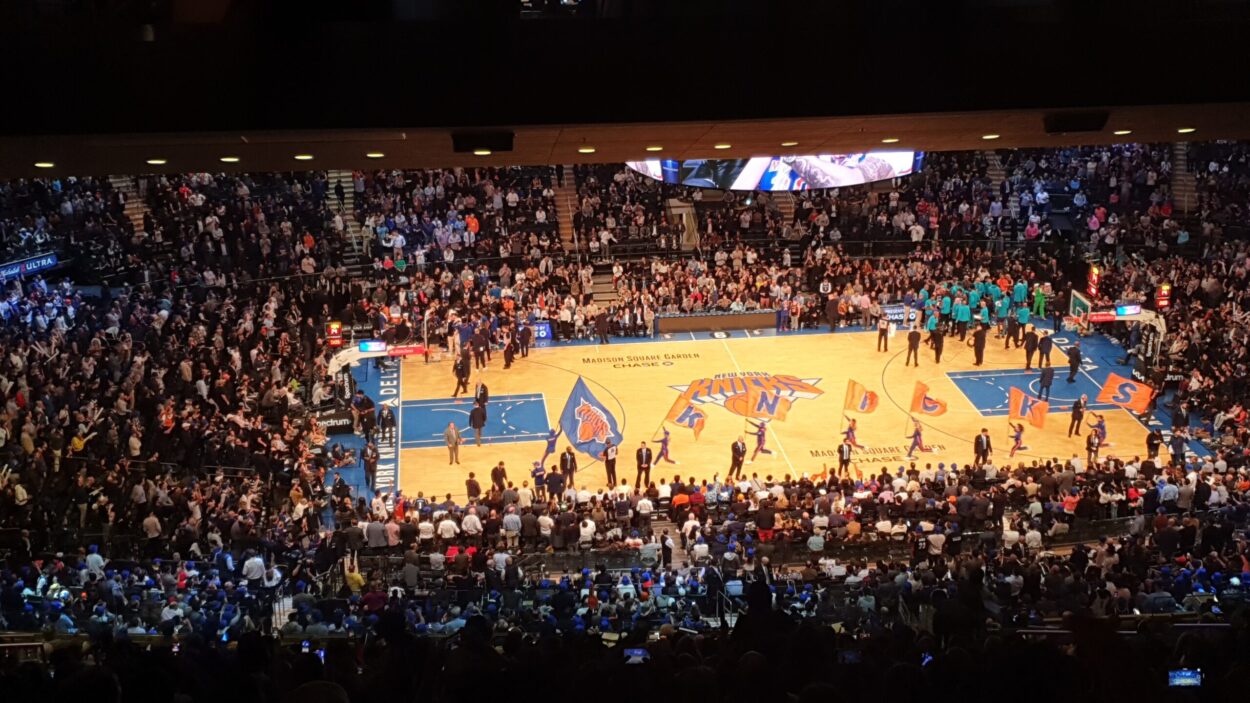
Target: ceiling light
[(655, 148), (722, 146), (481, 152), (890, 140), (303, 157), (1122, 132), (585, 150), (230, 159), (1186, 130), (789, 143), (988, 137), (374, 154), (44, 164), (156, 162)]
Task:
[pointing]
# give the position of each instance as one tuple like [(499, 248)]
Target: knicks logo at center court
[(592, 423), (750, 394)]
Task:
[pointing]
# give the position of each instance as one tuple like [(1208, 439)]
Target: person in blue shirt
[(963, 315), (984, 314), (1022, 315), (663, 454), (946, 306), (1002, 309), (1019, 292)]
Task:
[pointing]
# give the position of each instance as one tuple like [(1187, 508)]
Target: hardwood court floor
[(636, 383)]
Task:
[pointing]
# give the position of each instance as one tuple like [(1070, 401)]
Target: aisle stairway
[(136, 207), (995, 170), (566, 204), (353, 234), (785, 204), (1184, 189), (660, 523)]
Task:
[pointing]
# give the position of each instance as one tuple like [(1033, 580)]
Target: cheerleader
[(1017, 437), (849, 432), (663, 455), (917, 439), (552, 436), (761, 434), (1099, 429)]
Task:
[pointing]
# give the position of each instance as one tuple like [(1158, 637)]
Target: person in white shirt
[(448, 529)]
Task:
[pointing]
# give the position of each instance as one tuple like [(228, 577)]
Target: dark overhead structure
[(100, 85)]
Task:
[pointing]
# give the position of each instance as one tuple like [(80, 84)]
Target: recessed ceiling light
[(374, 154), (230, 159), (789, 143), (722, 146), (988, 137), (44, 164), (481, 152), (585, 150), (1122, 132), (156, 162), (303, 157), (1186, 130), (655, 148), (890, 140)]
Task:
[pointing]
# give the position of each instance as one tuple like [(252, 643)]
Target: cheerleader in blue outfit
[(849, 432), (552, 436), (761, 434), (663, 454), (1017, 437), (917, 439)]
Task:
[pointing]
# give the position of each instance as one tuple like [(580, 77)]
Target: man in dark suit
[(983, 446), (481, 393), (978, 344), (478, 344), (1074, 361), (602, 327), (477, 420), (461, 371), (643, 457), (913, 347), (568, 465), (1045, 381), (524, 337), (844, 457), (1078, 415), (738, 455), (939, 341), (1030, 347), (1044, 345)]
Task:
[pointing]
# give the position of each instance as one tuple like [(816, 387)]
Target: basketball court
[(638, 383)]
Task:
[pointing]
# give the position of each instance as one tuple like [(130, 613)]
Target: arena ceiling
[(265, 82)]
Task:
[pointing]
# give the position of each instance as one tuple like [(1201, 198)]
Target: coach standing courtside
[(451, 435), (568, 466), (983, 447), (913, 347), (643, 456), (737, 455), (1078, 415)]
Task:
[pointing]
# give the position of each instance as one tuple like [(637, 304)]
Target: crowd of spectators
[(78, 215), (428, 217), (174, 415), (617, 205), (1222, 180)]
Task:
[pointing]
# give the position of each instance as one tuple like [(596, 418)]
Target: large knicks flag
[(586, 422), (1022, 406), (925, 404), (687, 414), (1126, 393), (858, 398), (763, 403)]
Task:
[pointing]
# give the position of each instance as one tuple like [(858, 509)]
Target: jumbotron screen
[(783, 172)]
